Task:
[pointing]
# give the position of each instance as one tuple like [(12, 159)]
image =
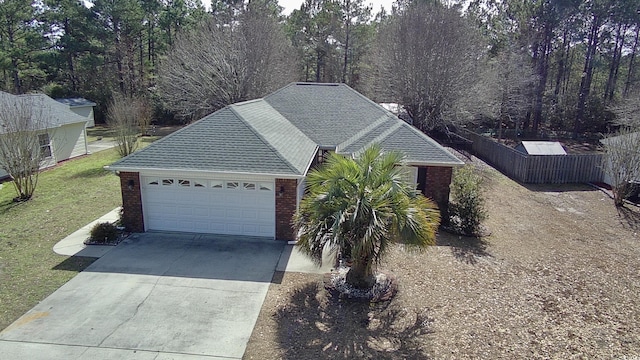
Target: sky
[(290, 5)]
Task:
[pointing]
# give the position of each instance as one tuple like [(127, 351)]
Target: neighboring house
[(82, 107), (541, 148), (241, 170), (612, 141), (63, 135)]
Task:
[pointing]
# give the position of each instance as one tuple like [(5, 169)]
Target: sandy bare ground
[(558, 278)]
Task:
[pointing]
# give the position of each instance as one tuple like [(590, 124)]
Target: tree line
[(527, 65)]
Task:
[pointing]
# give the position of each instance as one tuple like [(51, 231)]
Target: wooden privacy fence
[(537, 169)]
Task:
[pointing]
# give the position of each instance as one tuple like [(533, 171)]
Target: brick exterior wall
[(436, 187), (132, 217), (285, 208)]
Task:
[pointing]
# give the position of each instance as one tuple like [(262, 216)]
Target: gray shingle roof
[(53, 113), (281, 133), (419, 149), (328, 114), (76, 102), (221, 141), (294, 147)]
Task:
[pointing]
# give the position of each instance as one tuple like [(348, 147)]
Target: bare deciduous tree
[(226, 62), (124, 116), (23, 141), (427, 58), (621, 162), (504, 91)]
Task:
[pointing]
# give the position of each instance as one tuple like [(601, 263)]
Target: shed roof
[(541, 148), (613, 140), (76, 102)]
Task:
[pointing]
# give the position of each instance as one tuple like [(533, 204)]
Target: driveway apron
[(157, 296)]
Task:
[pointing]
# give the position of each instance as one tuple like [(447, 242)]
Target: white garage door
[(217, 206)]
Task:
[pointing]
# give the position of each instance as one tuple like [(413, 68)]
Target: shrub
[(104, 233), (467, 210)]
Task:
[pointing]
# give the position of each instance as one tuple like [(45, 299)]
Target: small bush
[(467, 210), (103, 233)]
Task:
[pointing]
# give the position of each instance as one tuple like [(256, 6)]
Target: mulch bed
[(557, 279)]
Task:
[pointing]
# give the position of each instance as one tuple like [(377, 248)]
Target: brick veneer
[(286, 198), (132, 217), (436, 187)]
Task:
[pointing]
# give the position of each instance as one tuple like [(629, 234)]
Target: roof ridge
[(264, 141), (360, 134), (385, 134), (277, 91)]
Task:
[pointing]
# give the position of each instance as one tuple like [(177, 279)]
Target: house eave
[(193, 172), (435, 164)]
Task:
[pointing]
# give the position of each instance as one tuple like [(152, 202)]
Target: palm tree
[(365, 205)]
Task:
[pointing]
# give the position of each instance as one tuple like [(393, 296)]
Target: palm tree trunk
[(360, 274)]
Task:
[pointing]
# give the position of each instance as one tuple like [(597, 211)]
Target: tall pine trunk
[(585, 83), (632, 57), (615, 64)]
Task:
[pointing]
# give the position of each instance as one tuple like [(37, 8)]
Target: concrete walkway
[(100, 145), (74, 243)]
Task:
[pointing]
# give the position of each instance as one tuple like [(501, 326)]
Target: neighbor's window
[(45, 145)]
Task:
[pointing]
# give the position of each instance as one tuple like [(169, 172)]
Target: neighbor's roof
[(615, 139), (281, 133), (541, 148), (76, 102), (54, 113)]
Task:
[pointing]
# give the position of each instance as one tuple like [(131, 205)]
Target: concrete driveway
[(155, 296)]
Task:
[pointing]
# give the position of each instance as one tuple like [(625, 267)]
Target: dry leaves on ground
[(558, 278)]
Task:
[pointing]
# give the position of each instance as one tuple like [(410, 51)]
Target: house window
[(232, 184), (45, 145), (249, 186)]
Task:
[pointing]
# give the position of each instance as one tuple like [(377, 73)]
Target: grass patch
[(68, 197)]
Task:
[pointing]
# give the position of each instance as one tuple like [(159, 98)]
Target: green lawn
[(68, 197)]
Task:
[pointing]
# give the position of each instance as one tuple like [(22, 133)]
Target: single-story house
[(541, 148), (241, 170), (82, 107), (63, 131)]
